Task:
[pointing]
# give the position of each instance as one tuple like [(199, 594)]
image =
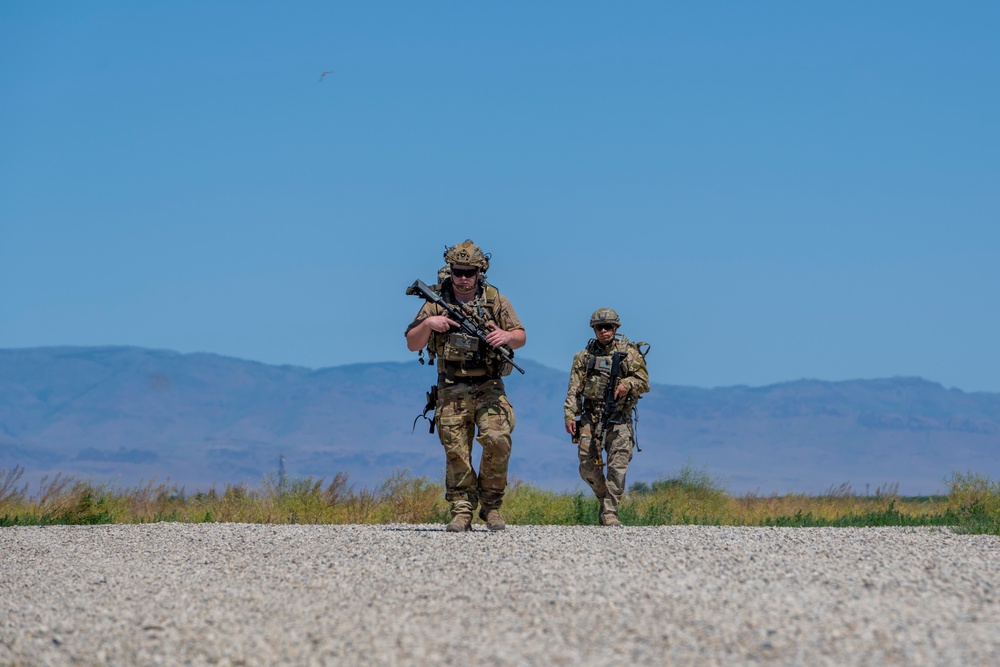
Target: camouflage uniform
[(471, 397), (587, 384), (463, 408)]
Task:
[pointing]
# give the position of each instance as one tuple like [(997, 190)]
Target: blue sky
[(765, 191)]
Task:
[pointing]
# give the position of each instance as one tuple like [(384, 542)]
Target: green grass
[(972, 504)]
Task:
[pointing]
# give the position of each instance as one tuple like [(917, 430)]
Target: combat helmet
[(467, 253), (604, 316)]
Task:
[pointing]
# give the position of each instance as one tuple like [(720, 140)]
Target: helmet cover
[(467, 253), (604, 316)]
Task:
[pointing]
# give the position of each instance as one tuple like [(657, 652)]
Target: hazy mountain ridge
[(125, 413)]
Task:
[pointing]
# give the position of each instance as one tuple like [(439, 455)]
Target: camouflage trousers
[(462, 409), (616, 451)]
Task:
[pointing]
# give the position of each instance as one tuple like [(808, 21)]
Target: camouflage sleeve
[(636, 376), (577, 374)]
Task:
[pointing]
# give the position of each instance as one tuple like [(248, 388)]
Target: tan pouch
[(460, 347)]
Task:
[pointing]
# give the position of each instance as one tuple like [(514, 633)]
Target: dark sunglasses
[(604, 327), (464, 273)]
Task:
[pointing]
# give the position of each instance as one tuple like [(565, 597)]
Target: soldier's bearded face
[(464, 278)]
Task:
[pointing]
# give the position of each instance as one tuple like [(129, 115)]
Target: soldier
[(471, 392), (604, 404)]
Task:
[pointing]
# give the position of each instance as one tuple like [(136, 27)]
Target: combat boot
[(459, 523), (610, 520), (492, 518)]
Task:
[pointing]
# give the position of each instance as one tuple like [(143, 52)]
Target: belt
[(467, 379)]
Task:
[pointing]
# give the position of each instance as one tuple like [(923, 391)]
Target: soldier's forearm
[(636, 385), (517, 339), (571, 406), (417, 337)]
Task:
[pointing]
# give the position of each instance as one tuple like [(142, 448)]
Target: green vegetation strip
[(972, 504)]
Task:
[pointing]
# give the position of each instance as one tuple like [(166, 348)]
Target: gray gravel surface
[(236, 594)]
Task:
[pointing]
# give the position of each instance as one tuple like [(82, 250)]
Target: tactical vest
[(597, 362), (463, 355)]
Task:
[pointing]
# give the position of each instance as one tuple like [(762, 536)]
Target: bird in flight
[(322, 75)]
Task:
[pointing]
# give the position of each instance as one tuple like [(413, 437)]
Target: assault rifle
[(612, 413), (420, 288)]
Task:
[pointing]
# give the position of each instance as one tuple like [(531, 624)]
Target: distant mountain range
[(124, 415)]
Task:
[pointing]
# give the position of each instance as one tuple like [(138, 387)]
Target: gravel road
[(237, 594)]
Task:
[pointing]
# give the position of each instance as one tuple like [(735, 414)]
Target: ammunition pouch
[(501, 368), (459, 347)]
